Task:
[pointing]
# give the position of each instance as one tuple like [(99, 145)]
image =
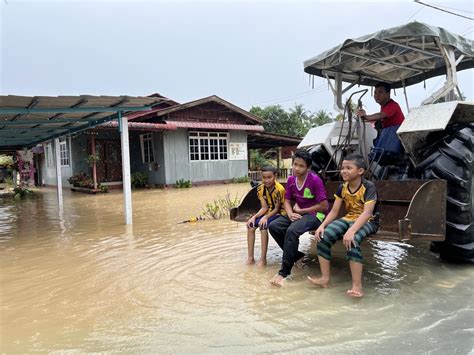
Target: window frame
[(208, 146), (64, 156), (147, 147)]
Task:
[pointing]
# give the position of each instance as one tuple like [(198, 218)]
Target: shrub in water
[(182, 184), (139, 179)]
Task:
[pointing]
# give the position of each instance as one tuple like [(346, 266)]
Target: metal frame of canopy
[(401, 56), (27, 121)]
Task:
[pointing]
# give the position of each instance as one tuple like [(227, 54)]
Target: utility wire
[(450, 8), (440, 9), (293, 98), (466, 29), (468, 32), (417, 11), (286, 98)]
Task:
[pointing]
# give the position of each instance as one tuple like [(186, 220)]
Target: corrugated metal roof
[(28, 120), (140, 126), (209, 125), (215, 99)]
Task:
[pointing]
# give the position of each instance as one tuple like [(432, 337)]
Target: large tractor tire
[(450, 158)]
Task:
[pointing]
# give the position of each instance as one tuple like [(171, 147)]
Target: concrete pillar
[(59, 180), (126, 178), (15, 178)]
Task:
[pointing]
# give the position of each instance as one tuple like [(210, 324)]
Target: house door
[(109, 166)]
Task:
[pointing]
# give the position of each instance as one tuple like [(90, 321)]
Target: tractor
[(425, 192)]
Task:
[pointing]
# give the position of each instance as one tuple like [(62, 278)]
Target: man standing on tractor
[(389, 118)]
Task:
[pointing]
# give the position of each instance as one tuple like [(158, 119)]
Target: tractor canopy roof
[(401, 56)]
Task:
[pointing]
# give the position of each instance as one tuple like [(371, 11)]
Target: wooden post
[(126, 180), (278, 157), (94, 166)]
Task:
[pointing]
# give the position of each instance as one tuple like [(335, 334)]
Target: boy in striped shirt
[(359, 198), (272, 196)]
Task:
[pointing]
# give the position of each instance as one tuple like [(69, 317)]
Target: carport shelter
[(28, 121)]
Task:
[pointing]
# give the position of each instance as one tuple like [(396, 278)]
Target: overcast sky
[(247, 52)]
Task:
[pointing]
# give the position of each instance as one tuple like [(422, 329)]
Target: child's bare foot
[(250, 261), (262, 263), (355, 292), (277, 280), (299, 263), (319, 281)]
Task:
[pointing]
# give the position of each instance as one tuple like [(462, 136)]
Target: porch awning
[(140, 126), (223, 126), (26, 121), (264, 140)]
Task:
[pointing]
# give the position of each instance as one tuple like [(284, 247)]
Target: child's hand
[(297, 208), (263, 223), (349, 240), (319, 233), (295, 216), (251, 222)]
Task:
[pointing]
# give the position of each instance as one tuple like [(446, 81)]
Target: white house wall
[(49, 173)]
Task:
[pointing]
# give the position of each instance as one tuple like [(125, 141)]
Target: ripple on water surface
[(81, 281)]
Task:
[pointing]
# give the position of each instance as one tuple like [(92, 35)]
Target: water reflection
[(85, 282)]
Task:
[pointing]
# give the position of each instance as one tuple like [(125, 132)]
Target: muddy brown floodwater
[(86, 283)]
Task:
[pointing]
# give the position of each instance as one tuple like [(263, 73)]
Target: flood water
[(86, 283)]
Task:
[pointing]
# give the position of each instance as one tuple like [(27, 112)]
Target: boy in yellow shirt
[(272, 196), (361, 219)]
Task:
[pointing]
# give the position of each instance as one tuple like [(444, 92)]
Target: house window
[(193, 148), (147, 148), (204, 148), (207, 146), (63, 152), (48, 152), (223, 148)]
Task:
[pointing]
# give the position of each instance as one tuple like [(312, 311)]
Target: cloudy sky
[(247, 52)]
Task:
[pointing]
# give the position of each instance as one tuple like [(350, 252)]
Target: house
[(202, 141)]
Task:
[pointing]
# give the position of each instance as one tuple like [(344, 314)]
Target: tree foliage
[(294, 122), (6, 161)]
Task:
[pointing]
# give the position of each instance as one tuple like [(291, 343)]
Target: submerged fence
[(282, 174)]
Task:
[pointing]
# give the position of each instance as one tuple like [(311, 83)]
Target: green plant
[(258, 159), (241, 179), (182, 184), (227, 202), (104, 188), (211, 210), (20, 192), (139, 179), (78, 179), (91, 159), (6, 160), (221, 206), (9, 181), (87, 183)]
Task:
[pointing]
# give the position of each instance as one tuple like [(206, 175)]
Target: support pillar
[(15, 178), (126, 179), (59, 180), (94, 164), (278, 156)]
